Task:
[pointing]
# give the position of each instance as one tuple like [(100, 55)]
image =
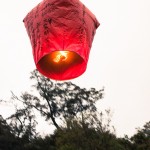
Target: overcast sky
[(119, 59)]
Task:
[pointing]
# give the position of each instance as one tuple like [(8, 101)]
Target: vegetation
[(72, 110)]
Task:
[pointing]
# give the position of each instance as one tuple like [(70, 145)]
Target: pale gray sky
[(119, 59)]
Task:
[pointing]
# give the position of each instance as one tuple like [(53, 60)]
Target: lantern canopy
[(61, 34)]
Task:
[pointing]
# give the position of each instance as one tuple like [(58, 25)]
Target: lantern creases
[(61, 34)]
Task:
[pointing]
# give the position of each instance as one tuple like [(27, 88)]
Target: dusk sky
[(119, 58)]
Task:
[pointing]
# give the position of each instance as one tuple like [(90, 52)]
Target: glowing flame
[(61, 56)]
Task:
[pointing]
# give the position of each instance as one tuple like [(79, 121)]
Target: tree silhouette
[(23, 123), (83, 128), (141, 139), (7, 138), (93, 132), (54, 100)]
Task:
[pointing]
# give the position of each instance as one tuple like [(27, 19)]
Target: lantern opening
[(62, 64)]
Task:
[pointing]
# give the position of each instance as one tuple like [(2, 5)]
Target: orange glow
[(61, 56), (59, 63)]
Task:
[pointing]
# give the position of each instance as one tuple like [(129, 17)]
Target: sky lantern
[(61, 34)]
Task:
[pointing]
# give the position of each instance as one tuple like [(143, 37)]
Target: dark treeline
[(72, 110)]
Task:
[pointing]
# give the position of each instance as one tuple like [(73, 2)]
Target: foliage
[(83, 128), (141, 140), (63, 99), (7, 140), (55, 100), (87, 133), (23, 121)]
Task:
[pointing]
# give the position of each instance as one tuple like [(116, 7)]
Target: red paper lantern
[(61, 34)]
